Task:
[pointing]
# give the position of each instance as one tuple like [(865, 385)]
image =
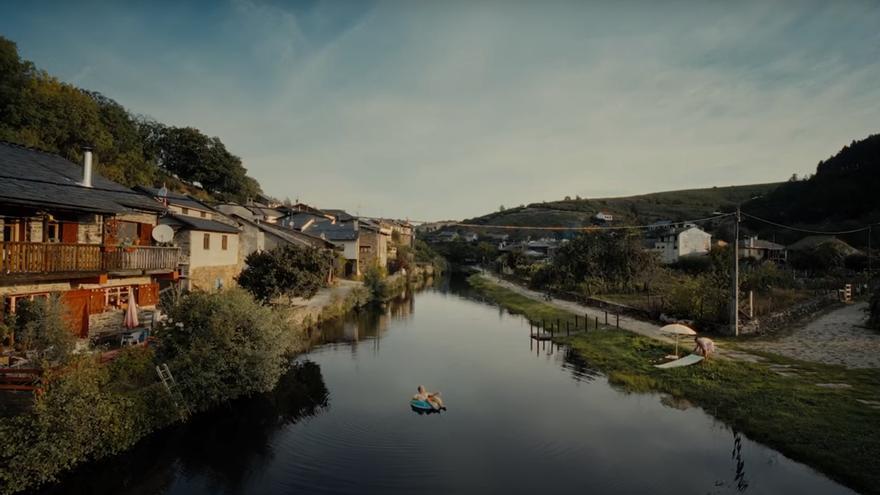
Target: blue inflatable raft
[(421, 405)]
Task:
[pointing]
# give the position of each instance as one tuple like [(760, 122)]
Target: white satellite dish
[(163, 233)]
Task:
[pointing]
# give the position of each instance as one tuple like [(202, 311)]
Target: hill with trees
[(39, 111), (641, 209), (841, 195)]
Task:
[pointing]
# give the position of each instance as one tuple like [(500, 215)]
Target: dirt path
[(838, 337), (636, 326)]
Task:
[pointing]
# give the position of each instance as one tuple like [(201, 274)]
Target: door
[(69, 232), (76, 303)]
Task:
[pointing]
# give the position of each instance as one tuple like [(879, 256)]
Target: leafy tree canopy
[(286, 271), (39, 111)]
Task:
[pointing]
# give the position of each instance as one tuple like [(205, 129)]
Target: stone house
[(209, 241), (66, 230), (373, 243)]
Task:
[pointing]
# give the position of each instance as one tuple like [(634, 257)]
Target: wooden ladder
[(172, 388)]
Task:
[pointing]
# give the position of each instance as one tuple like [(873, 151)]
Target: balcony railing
[(22, 258)]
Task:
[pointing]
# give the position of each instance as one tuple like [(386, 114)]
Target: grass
[(821, 427), (673, 205)]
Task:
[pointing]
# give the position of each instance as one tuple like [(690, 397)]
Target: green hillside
[(642, 209)]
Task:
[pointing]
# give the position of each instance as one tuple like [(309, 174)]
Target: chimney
[(87, 166)]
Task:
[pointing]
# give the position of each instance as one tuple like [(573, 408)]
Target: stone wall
[(798, 312), (206, 277)]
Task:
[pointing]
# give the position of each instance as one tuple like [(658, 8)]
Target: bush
[(78, 418), (374, 281), (40, 325), (223, 345), (763, 277), (287, 271)]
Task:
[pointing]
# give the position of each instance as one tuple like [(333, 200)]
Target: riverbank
[(821, 415), (232, 347)]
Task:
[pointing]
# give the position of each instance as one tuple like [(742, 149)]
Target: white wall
[(693, 241), (191, 212), (215, 255)]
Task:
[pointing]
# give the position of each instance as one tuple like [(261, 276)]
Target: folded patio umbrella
[(131, 314)]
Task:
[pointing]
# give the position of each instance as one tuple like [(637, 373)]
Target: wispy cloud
[(447, 110)]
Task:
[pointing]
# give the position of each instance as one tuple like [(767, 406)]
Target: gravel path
[(838, 337), (636, 326)]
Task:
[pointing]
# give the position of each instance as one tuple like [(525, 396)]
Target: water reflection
[(541, 420), (224, 446)]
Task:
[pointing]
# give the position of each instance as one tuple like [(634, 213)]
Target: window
[(185, 211), (53, 232), (203, 214), (224, 242), (206, 242)]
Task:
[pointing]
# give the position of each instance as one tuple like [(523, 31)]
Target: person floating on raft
[(431, 399)]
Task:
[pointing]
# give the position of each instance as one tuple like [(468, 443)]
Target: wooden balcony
[(25, 259)]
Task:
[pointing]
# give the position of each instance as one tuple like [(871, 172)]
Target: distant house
[(345, 235), (604, 216), (373, 243), (675, 243), (300, 220), (210, 241), (660, 225), (66, 230), (259, 236), (761, 250)]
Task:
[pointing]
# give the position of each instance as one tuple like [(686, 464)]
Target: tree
[(222, 345), (288, 270), (40, 325)]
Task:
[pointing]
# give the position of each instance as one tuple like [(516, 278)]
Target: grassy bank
[(826, 428)]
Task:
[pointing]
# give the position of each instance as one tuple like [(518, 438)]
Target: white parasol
[(677, 329)]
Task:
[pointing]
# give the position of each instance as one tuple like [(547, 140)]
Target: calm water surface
[(521, 419)]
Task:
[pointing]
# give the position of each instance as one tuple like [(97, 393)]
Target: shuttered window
[(206, 241), (224, 242)]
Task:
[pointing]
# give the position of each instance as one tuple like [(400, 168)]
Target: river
[(520, 419)]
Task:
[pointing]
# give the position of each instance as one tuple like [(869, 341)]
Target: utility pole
[(734, 302)]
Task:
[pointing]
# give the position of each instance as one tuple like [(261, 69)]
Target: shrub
[(765, 276), (287, 271), (223, 345), (374, 281), (40, 325), (78, 418)]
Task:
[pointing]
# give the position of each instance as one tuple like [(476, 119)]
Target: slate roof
[(38, 179), (195, 223), (292, 236), (298, 220), (176, 199), (334, 231), (341, 215)]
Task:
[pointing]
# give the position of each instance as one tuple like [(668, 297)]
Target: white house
[(688, 240), (604, 216)]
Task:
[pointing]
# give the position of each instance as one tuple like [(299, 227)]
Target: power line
[(590, 228), (809, 231)]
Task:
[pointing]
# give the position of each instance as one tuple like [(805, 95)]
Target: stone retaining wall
[(781, 319)]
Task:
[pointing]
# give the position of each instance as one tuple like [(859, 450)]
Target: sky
[(446, 110)]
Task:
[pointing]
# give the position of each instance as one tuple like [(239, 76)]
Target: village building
[(373, 243), (209, 241), (604, 216), (345, 235), (68, 231), (675, 243), (761, 250)]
